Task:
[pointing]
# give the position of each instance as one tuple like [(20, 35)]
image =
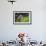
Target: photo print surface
[(22, 17)]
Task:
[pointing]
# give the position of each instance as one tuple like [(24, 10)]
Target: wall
[(9, 31)]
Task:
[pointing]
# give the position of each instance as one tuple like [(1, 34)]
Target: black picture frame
[(18, 15)]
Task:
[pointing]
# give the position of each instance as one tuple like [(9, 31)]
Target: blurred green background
[(24, 19)]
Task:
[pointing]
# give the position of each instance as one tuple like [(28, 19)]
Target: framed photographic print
[(22, 17)]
